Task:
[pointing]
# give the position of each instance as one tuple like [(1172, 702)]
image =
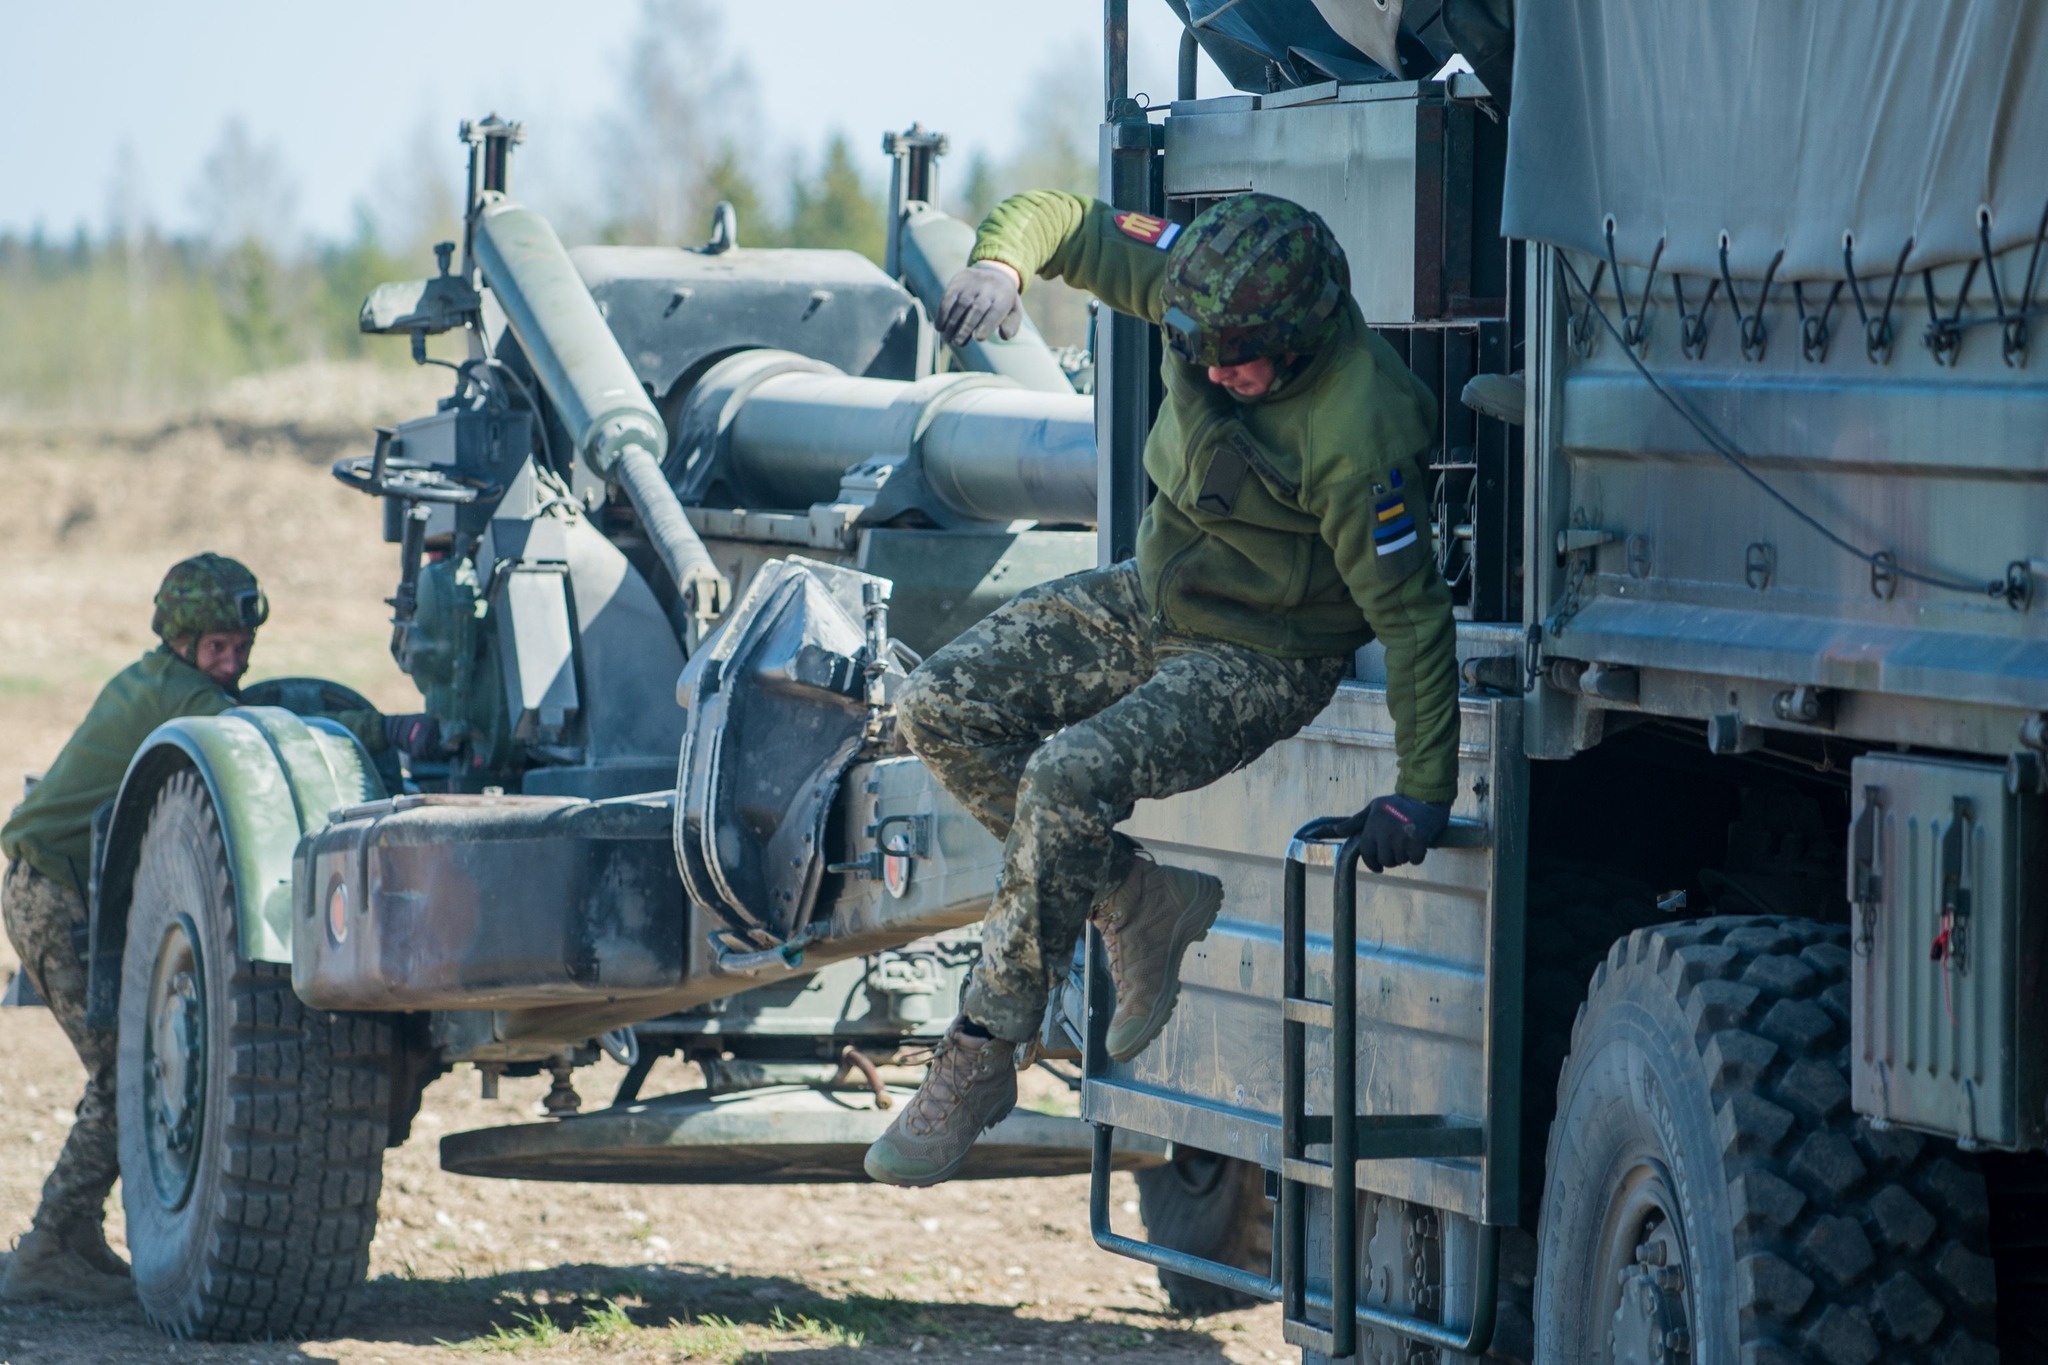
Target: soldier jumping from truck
[(207, 613), (1290, 528)]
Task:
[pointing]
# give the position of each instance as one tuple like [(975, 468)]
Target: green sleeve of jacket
[(1410, 613), (366, 725), (1065, 236)]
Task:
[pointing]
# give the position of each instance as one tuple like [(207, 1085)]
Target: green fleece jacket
[(52, 828), (1297, 523)]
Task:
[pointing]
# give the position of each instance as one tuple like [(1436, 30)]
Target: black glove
[(418, 735), (1397, 829), (982, 299)]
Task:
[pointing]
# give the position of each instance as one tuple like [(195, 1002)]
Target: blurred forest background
[(125, 321)]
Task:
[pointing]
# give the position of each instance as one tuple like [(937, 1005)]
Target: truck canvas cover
[(1783, 124)]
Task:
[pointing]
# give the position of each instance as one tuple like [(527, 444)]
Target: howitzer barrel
[(1010, 454), (987, 450), (611, 421), (565, 338)]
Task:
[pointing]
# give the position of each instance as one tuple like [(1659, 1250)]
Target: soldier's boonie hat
[(206, 593), (1254, 276)]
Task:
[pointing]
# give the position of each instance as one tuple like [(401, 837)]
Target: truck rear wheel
[(1710, 1195), (252, 1128), (1214, 1207)]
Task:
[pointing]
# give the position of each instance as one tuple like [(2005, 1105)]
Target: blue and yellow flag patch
[(1393, 524)]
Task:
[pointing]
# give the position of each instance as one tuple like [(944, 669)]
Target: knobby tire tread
[(1853, 1244), (308, 1111)]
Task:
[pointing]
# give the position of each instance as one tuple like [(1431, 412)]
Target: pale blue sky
[(344, 89)]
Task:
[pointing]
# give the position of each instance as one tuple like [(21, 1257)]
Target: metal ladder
[(1364, 1138), (1361, 1137)]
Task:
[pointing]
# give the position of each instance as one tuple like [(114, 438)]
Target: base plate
[(781, 1135)]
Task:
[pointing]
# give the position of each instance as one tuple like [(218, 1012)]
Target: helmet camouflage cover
[(1254, 276), (205, 593)]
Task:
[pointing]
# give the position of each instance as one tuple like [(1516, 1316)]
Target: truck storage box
[(1949, 1024)]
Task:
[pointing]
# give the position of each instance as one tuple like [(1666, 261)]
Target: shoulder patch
[(1397, 539), (1393, 524), (1147, 229)]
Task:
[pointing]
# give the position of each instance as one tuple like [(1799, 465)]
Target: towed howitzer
[(776, 448), (665, 554)]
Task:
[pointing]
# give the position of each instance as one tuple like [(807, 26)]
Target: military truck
[(1701, 1036), (1711, 1035)]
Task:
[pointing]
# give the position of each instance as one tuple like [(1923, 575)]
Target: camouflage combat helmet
[(1254, 276), (205, 593)]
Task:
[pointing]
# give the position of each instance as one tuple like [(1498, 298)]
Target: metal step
[(774, 1136)]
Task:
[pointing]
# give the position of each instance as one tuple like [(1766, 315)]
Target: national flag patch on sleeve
[(1147, 229), (1393, 524)]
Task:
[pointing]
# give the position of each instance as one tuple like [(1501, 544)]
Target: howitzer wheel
[(252, 1128), (778, 1135)]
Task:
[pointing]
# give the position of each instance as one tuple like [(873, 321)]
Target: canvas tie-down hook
[(2012, 323), (1749, 327), (1944, 335), (1692, 327), (1813, 327), (2016, 327), (1579, 324), (1632, 334), (1877, 331)]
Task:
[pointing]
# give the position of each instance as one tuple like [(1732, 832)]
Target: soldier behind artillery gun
[(207, 613), (1290, 527)]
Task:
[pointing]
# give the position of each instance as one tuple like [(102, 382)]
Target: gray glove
[(1397, 829), (980, 300)]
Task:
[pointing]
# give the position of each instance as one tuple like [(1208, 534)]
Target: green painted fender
[(275, 777)]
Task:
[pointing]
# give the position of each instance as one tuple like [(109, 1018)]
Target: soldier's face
[(1249, 380), (223, 655)]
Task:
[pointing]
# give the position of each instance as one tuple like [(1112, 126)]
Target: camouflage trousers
[(40, 916), (1050, 720)]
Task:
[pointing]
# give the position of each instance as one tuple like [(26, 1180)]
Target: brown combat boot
[(89, 1241), (45, 1270), (972, 1085), (1147, 924)]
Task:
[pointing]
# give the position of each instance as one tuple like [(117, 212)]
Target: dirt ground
[(464, 1266)]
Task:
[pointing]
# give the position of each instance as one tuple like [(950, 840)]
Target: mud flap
[(777, 710)]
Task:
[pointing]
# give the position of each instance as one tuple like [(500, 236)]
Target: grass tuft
[(534, 1329), (709, 1338)]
